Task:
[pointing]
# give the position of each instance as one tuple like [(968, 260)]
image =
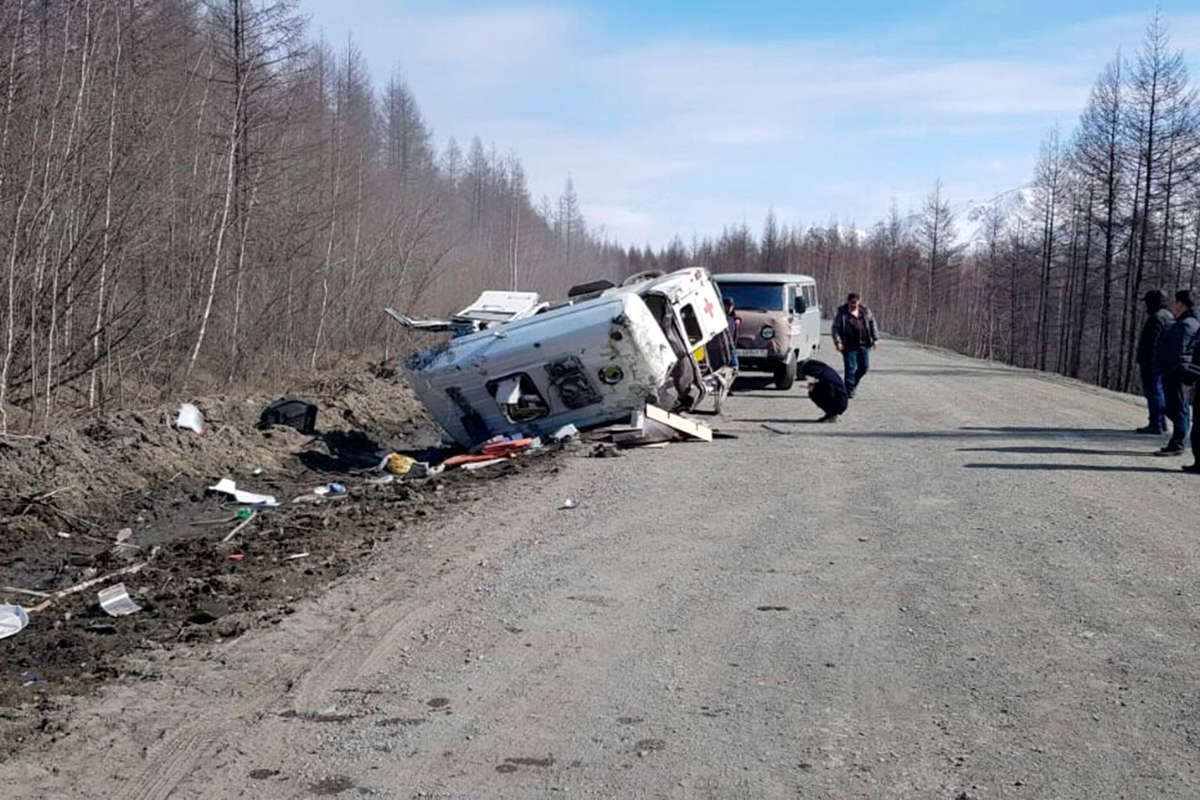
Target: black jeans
[(1152, 388), (1178, 409), (1195, 432)]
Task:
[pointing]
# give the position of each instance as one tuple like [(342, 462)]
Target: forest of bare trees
[(1051, 274), (195, 193)]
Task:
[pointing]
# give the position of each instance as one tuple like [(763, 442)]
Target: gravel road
[(976, 585)]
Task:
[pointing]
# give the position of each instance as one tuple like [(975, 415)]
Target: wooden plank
[(694, 429)]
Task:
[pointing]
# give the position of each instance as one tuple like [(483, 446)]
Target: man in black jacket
[(1158, 319), (854, 335), (828, 392), (1174, 349)]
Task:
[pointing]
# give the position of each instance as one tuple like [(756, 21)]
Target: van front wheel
[(785, 373)]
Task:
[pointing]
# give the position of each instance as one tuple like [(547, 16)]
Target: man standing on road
[(1174, 349), (828, 392), (1158, 319), (854, 335), (734, 324)]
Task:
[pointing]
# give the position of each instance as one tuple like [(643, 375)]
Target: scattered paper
[(295, 555), (568, 504), (190, 418), (227, 486), (116, 602)]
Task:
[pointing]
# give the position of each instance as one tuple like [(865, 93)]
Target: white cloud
[(684, 135)]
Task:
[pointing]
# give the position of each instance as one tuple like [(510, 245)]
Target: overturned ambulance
[(531, 367)]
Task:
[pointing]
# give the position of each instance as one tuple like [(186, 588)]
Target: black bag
[(292, 412)]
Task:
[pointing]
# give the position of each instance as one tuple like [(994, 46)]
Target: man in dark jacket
[(854, 335), (1158, 319), (828, 392), (1174, 349)]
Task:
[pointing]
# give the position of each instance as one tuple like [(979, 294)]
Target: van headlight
[(767, 332), (611, 374)]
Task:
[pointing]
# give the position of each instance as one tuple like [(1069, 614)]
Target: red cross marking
[(708, 307)]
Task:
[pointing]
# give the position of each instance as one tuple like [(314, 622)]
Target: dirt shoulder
[(129, 493)]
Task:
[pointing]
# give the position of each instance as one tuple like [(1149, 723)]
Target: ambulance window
[(691, 325)]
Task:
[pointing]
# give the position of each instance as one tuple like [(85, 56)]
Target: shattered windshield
[(754, 296)]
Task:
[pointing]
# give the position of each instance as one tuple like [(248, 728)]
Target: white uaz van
[(779, 321)]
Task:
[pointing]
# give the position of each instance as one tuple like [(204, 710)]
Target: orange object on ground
[(497, 449)]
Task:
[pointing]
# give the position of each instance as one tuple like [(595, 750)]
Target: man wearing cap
[(1158, 319)]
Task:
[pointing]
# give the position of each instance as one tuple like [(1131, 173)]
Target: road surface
[(977, 584)]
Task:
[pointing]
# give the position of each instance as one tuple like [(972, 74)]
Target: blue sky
[(681, 117)]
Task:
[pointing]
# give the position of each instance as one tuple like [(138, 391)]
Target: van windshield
[(754, 296)]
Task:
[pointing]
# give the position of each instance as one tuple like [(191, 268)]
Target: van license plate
[(751, 353)]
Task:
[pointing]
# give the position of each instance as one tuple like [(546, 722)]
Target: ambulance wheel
[(785, 373)]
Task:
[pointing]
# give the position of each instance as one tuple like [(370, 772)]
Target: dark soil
[(64, 498)]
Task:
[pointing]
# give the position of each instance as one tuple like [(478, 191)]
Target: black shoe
[(1151, 429), (1193, 468), (829, 418), (1171, 450)]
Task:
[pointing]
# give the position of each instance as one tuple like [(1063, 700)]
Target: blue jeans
[(1179, 410), (856, 362), (1156, 404)]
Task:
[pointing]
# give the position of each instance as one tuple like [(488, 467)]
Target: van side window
[(691, 325), (810, 294)]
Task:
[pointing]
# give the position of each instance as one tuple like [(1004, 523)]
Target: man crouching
[(826, 389)]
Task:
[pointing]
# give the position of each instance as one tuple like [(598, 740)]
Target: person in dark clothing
[(1158, 319), (854, 335), (828, 391), (1175, 348), (734, 324)]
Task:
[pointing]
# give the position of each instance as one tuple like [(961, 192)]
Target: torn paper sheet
[(227, 486), (116, 602)]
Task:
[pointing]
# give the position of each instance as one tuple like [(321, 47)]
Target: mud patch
[(505, 768), (439, 702), (773, 608), (629, 720), (263, 774), (153, 483), (651, 745), (331, 786)]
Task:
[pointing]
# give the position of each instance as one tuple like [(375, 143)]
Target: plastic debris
[(474, 465), (294, 556), (237, 557), (29, 679), (399, 464), (189, 417), (12, 620), (382, 480), (568, 504), (227, 486), (330, 490), (424, 470), (242, 514), (116, 602), (124, 535), (565, 434), (292, 412)]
